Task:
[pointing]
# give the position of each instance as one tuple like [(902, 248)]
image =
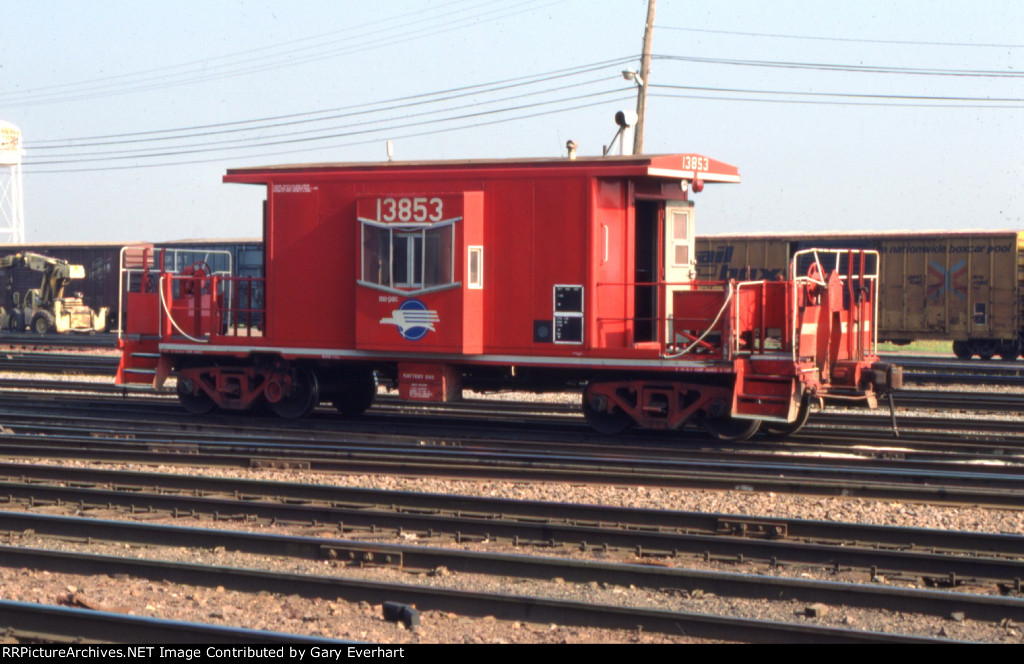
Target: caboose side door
[(663, 264), (647, 271), (678, 258)]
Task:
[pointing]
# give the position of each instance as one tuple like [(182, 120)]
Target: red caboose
[(496, 275)]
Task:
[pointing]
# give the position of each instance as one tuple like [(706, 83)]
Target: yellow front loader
[(46, 308)]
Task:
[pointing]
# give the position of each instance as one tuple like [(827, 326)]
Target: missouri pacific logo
[(941, 280), (412, 319)]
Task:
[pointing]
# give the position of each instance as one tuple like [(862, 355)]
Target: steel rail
[(942, 447), (246, 490), (106, 364), (324, 425), (62, 624), (319, 443), (409, 557), (893, 484), (644, 539), (59, 341), (58, 363), (502, 606), (569, 415), (985, 485)]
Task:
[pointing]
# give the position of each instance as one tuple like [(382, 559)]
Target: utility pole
[(645, 77)]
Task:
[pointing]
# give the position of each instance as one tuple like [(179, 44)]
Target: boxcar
[(966, 287)]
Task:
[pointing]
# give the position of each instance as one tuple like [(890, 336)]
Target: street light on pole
[(641, 104), (631, 75)]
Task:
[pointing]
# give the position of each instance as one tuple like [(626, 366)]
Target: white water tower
[(12, 207)]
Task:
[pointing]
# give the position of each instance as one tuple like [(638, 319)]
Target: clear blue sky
[(840, 116)]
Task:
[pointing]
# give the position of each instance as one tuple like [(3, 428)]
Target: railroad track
[(57, 343), (568, 412), (560, 417), (272, 443), (522, 453), (375, 554), (508, 606), (22, 361), (938, 557), (945, 371), (31, 623), (36, 355), (475, 522)]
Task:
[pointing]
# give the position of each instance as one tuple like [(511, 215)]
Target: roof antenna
[(391, 151)]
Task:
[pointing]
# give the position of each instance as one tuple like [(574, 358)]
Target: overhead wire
[(264, 154), (262, 133), (395, 103), (822, 102), (872, 69), (897, 42), (432, 104), (301, 137), (221, 67), (940, 101), (405, 102)]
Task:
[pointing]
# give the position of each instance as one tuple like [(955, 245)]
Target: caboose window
[(407, 252), (376, 256), (476, 267), (408, 259), (681, 232), (438, 256)]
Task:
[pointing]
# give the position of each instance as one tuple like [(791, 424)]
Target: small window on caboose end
[(476, 267), (682, 231)]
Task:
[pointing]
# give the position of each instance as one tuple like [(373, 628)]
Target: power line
[(301, 136), (839, 39), (266, 132), (629, 95), (453, 93), (981, 101), (326, 114), (821, 102), (319, 135), (870, 69), (344, 134), (405, 27)]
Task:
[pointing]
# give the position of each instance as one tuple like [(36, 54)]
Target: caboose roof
[(667, 166)]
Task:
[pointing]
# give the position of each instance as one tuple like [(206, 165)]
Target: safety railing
[(162, 295), (725, 319), (857, 271)]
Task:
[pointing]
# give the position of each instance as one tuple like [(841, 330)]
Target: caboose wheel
[(780, 430), (197, 404), (604, 422), (730, 428), (302, 398), (356, 394)]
